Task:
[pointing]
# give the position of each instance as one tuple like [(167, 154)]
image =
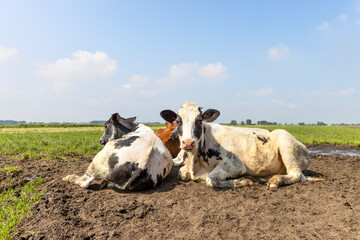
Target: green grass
[(9, 169), (50, 145), (55, 143), (14, 206), (29, 125), (321, 134)]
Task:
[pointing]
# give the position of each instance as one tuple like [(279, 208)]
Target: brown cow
[(173, 145)]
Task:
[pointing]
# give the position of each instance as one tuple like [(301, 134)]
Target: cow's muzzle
[(188, 144)]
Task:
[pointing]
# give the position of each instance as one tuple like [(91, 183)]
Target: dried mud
[(188, 210)]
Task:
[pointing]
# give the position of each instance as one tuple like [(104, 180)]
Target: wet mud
[(188, 210)]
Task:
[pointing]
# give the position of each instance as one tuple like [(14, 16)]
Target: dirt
[(188, 210)]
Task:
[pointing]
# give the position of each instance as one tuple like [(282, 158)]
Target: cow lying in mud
[(220, 154), (133, 157)]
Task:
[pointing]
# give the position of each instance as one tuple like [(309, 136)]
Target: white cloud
[(262, 92), (323, 26), (183, 70), (282, 103), (278, 53), (344, 93), (342, 18), (82, 65), (191, 73), (179, 74), (213, 71), (8, 54), (137, 81)]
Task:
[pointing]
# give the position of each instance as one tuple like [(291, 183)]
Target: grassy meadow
[(51, 142), (57, 142)]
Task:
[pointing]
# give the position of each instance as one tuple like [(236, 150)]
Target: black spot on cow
[(201, 152), (179, 128), (140, 180), (134, 177), (263, 139), (254, 133), (164, 171), (231, 156), (121, 174), (185, 156), (198, 126), (213, 153), (125, 142), (113, 160)]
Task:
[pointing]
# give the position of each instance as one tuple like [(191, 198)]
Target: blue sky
[(283, 61)]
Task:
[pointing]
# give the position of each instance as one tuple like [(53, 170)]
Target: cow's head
[(190, 120), (116, 127)]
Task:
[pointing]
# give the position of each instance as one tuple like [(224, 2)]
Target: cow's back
[(139, 161)]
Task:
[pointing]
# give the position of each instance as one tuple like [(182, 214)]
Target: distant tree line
[(249, 122), (232, 122), (11, 122), (264, 122)]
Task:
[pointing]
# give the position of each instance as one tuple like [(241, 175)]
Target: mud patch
[(189, 210)]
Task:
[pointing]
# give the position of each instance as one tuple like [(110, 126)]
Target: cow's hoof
[(184, 176), (243, 183), (273, 186), (70, 178), (273, 183), (209, 182)]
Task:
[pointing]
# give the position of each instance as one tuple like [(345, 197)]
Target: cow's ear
[(168, 115), (210, 115), (131, 120), (115, 117)]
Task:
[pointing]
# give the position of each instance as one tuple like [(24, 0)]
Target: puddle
[(335, 152)]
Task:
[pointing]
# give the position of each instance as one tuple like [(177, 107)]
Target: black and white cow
[(133, 157), (217, 153)]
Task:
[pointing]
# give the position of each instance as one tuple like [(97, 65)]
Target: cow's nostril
[(188, 144)]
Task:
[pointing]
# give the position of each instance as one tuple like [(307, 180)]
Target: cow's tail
[(311, 178)]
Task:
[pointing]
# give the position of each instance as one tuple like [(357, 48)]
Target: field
[(36, 204)]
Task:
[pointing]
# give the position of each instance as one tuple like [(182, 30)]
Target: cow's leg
[(179, 158), (184, 173), (229, 168), (290, 178), (295, 159), (83, 181)]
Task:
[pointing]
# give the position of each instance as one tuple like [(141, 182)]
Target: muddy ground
[(189, 210)]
